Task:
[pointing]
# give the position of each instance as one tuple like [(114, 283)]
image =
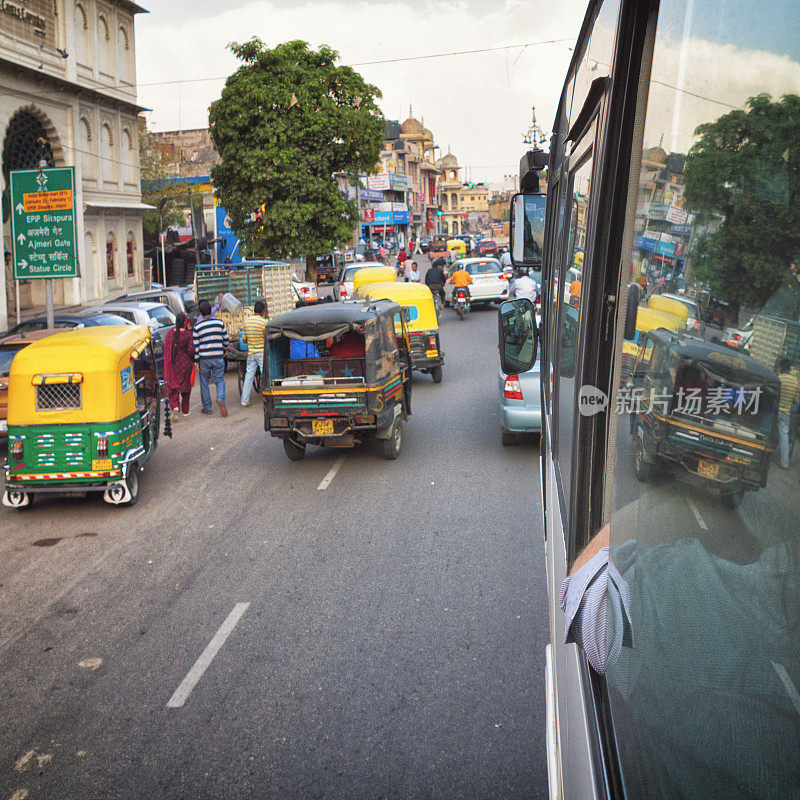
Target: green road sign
[(43, 223)]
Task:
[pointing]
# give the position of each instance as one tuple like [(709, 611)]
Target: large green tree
[(745, 172), (287, 120)]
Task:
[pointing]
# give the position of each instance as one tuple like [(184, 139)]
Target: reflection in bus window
[(702, 624)]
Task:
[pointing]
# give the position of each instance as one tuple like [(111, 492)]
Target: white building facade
[(68, 72)]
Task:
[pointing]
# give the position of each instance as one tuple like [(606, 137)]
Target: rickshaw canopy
[(416, 297), (368, 275), (669, 306), (648, 319), (457, 244), (99, 360)]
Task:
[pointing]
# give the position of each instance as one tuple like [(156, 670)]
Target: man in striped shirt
[(253, 336), (210, 342)]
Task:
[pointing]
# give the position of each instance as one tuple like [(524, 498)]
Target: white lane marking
[(207, 656), (326, 481), (700, 521), (791, 689)]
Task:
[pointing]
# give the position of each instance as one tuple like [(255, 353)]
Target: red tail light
[(737, 337), (342, 290), (512, 389), (16, 450)]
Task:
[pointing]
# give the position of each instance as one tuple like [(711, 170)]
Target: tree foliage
[(287, 120), (745, 172), (156, 184)]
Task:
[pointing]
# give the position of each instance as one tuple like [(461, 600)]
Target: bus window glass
[(569, 335), (702, 644)]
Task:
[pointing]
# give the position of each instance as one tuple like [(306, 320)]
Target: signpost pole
[(49, 309), (16, 290)]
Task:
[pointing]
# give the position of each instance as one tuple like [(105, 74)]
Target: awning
[(109, 205)]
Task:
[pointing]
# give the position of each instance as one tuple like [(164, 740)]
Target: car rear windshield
[(188, 301), (6, 357), (107, 319), (164, 316), (484, 267), (488, 243), (349, 272)]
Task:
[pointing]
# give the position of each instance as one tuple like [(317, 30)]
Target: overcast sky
[(479, 105)]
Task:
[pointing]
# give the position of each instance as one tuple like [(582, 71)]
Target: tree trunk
[(311, 269)]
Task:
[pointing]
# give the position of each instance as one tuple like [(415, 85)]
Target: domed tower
[(449, 190)]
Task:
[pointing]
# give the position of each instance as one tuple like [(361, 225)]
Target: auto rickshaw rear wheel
[(644, 471), (132, 482), (732, 498), (391, 446), (295, 451), (436, 374)]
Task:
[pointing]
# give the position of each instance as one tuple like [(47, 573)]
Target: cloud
[(478, 104)]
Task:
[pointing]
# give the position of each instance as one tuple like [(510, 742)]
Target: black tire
[(132, 482), (436, 374), (461, 312), (644, 471), (242, 368), (732, 498), (390, 448), (507, 438), (295, 451)]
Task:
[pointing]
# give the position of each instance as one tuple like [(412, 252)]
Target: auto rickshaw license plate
[(431, 353), (322, 427), (707, 468), (101, 463)]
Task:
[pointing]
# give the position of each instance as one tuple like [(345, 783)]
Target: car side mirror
[(518, 335), (631, 310), (526, 229)]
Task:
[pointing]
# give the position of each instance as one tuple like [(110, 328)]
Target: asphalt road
[(392, 645)]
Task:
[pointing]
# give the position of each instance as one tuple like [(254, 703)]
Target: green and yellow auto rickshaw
[(83, 415)]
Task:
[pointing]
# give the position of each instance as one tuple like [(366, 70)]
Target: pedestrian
[(210, 342), (11, 294), (179, 364), (790, 389), (382, 253), (401, 258), (505, 259), (253, 336), (212, 309), (413, 275)]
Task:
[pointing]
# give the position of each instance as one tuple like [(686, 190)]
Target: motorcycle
[(461, 302)]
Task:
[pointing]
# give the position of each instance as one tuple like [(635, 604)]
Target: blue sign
[(228, 248), (126, 376), (648, 244), (681, 230)]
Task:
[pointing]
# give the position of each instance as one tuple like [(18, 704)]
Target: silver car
[(520, 403), (345, 289)]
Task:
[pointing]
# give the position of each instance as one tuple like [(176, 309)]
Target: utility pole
[(194, 232)]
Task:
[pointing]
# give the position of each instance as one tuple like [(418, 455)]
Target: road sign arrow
[(20, 208), (23, 264), (21, 238)]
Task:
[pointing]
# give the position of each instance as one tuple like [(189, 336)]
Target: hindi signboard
[(43, 223)]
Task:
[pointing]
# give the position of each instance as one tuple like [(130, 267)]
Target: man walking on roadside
[(210, 342), (790, 388), (253, 336)]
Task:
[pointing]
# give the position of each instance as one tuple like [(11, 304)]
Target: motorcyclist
[(461, 279), (435, 278)]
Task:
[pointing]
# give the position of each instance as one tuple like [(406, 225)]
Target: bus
[(673, 667)]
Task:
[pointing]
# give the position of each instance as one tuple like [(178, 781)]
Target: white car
[(489, 281), (155, 316), (304, 290), (345, 290), (694, 324)]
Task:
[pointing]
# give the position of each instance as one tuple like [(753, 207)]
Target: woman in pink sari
[(178, 364)]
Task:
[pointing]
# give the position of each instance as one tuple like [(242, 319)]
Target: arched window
[(454, 201), (107, 155), (82, 42), (444, 202), (128, 156), (111, 246), (123, 56), (130, 248), (84, 146), (103, 46), (23, 148)]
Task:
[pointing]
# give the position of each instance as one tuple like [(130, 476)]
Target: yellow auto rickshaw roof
[(92, 349), (667, 305), (456, 244), (407, 294), (647, 319), (365, 275)]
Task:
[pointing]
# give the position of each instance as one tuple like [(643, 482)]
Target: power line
[(523, 45)]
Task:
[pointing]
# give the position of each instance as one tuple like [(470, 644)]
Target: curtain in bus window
[(705, 524)]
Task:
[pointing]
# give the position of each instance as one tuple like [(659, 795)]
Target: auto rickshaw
[(438, 247), (459, 246), (368, 275), (83, 414), (703, 412), (338, 376), (647, 319), (669, 306), (421, 321)]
